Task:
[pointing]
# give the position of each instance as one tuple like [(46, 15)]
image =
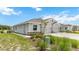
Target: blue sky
[(15, 15)]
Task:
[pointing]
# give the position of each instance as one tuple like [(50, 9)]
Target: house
[(67, 27), (75, 28), (37, 25), (32, 25)]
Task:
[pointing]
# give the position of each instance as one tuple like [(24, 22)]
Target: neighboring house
[(37, 25), (75, 28), (68, 27)]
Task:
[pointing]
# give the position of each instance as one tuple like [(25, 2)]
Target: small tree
[(53, 24), (44, 23)]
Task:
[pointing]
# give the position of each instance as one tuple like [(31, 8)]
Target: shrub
[(64, 44), (75, 43), (42, 45), (68, 31), (36, 35), (54, 39), (9, 31), (1, 31), (60, 43), (5, 31)]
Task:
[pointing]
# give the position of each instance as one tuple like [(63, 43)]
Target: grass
[(74, 32), (63, 44), (58, 44), (12, 42)]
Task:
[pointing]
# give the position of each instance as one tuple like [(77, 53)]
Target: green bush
[(68, 31), (1, 31), (9, 31), (54, 39), (36, 35), (5, 31)]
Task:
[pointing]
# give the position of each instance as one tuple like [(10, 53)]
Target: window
[(34, 27), (65, 28)]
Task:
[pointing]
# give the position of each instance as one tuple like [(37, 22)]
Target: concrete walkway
[(68, 35), (25, 36)]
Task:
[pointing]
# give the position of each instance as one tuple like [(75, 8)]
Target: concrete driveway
[(68, 35)]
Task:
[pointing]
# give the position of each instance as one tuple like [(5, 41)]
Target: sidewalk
[(68, 35), (25, 36)]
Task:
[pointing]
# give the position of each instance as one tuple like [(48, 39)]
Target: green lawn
[(74, 32), (12, 42)]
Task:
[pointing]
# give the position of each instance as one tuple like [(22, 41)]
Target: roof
[(68, 25), (35, 20)]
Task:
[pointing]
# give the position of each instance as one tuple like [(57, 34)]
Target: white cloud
[(63, 17), (9, 11), (37, 8), (48, 16)]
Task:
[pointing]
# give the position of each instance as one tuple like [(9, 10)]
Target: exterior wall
[(30, 27), (48, 27), (20, 29), (52, 26), (77, 28), (69, 28), (25, 28), (56, 27), (63, 27)]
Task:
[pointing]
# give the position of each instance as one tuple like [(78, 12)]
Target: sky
[(15, 15)]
